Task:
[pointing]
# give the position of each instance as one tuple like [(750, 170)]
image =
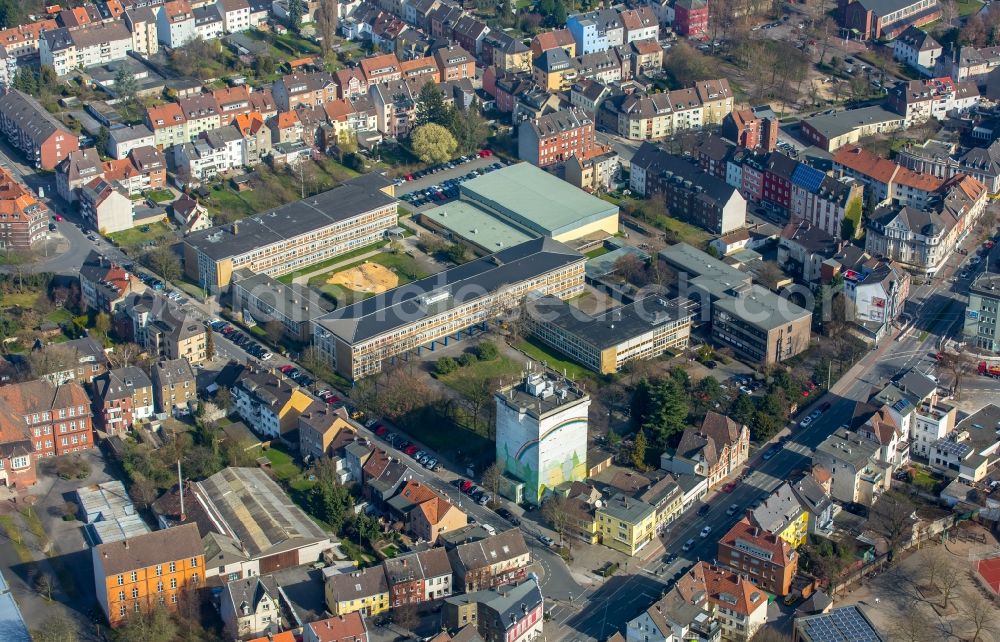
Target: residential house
[(852, 463), (918, 49), (945, 160), (470, 33), (383, 475), (396, 105), (79, 360), (597, 30), (365, 591), (626, 524), (640, 23), (16, 450), (646, 57), (814, 498), (22, 217), (802, 250), (66, 50), (491, 562), (76, 170), (175, 388), (124, 138), (351, 83), (270, 404), (425, 66), (418, 577), (256, 138), (350, 627), (554, 70), (122, 398), (312, 89), (424, 512), (691, 18), (970, 450), (887, 180), (555, 38), (319, 426), (716, 450), (555, 137), (175, 23), (106, 207), (55, 417), (506, 52), (201, 113), (30, 128), (232, 102), (595, 170), (380, 69), (513, 614), (767, 560), (750, 131), (168, 123), (150, 168), (251, 606), (139, 574), (920, 100), (163, 329), (142, 24), (454, 63), (23, 40), (235, 15), (782, 514), (824, 201), (103, 284), (690, 193)]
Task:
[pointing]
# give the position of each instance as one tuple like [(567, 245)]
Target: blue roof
[(807, 177)]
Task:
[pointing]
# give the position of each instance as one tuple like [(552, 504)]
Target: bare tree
[(892, 517), (555, 513), (143, 490), (57, 627), (629, 266), (948, 583), (274, 330), (493, 477), (124, 354), (959, 366), (768, 633), (949, 11), (406, 616), (912, 626), (326, 24), (981, 615)]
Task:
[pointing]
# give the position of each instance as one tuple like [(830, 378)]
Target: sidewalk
[(303, 279)]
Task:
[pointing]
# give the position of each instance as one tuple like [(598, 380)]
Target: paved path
[(303, 279)]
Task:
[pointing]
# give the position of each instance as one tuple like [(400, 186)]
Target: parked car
[(732, 509), (545, 539), (465, 485), (430, 463), (410, 450), (688, 545), (703, 510), (705, 531), (381, 431), (805, 422)]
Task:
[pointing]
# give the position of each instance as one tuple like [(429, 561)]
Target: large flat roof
[(614, 326), (536, 199), (435, 294), (351, 198), (763, 308), (477, 226)]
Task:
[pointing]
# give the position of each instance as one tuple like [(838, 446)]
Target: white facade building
[(541, 434)]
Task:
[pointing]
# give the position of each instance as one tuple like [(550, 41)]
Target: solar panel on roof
[(807, 177)]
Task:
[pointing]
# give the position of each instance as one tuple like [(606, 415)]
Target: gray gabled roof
[(30, 117)]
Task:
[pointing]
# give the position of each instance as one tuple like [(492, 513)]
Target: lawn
[(19, 299), (454, 441), (224, 199), (405, 267), (923, 479), (286, 470), (968, 7), (390, 551), (135, 238), (596, 252), (160, 195), (552, 359), (466, 380), (335, 170), (347, 256)]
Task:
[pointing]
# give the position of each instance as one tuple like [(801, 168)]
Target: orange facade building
[(141, 573)]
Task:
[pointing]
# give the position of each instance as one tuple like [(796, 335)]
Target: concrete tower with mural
[(542, 432)]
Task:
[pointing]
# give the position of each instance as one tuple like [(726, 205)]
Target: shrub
[(445, 365), (487, 351), (467, 359)]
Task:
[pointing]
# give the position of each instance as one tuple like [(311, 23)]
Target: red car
[(411, 450), (58, 217), (484, 153), (409, 177), (728, 488), (466, 485), (381, 430), (228, 330), (285, 369), (805, 393)]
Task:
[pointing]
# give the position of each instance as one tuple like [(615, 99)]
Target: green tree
[(295, 12), (445, 365), (263, 65), (433, 143), (26, 81), (743, 409), (102, 324), (224, 399), (101, 141), (209, 343), (329, 500), (126, 85), (154, 626), (662, 407), (763, 426), (431, 107), (487, 351), (707, 393), (467, 359), (853, 213), (847, 229), (468, 127), (639, 451), (366, 527)]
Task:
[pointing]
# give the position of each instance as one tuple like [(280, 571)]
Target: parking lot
[(244, 341), (440, 183)]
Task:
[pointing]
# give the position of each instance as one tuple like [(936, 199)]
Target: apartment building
[(142, 573), (201, 113), (921, 100), (56, 418), (365, 592), (168, 124), (164, 329), (782, 514), (235, 15), (852, 462), (715, 450), (691, 18), (454, 63), (917, 48), (269, 404), (418, 577), (945, 160), (320, 426), (625, 524), (124, 138), (122, 397), (23, 218), (175, 388), (506, 52), (555, 137), (492, 562), (141, 23), (103, 284), (824, 201), (309, 89), (80, 360), (970, 450), (695, 196), (380, 69), (424, 513), (932, 421), (66, 50), (106, 207), (604, 343), (514, 614), (31, 129), (175, 23), (596, 30), (748, 130), (23, 40), (17, 456), (761, 326), (293, 236), (358, 339), (767, 560)]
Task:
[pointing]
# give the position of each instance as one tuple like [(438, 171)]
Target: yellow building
[(148, 571), (782, 514), (626, 524), (667, 497), (365, 591)]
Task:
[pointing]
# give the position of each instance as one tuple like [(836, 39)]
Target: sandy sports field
[(367, 277)]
